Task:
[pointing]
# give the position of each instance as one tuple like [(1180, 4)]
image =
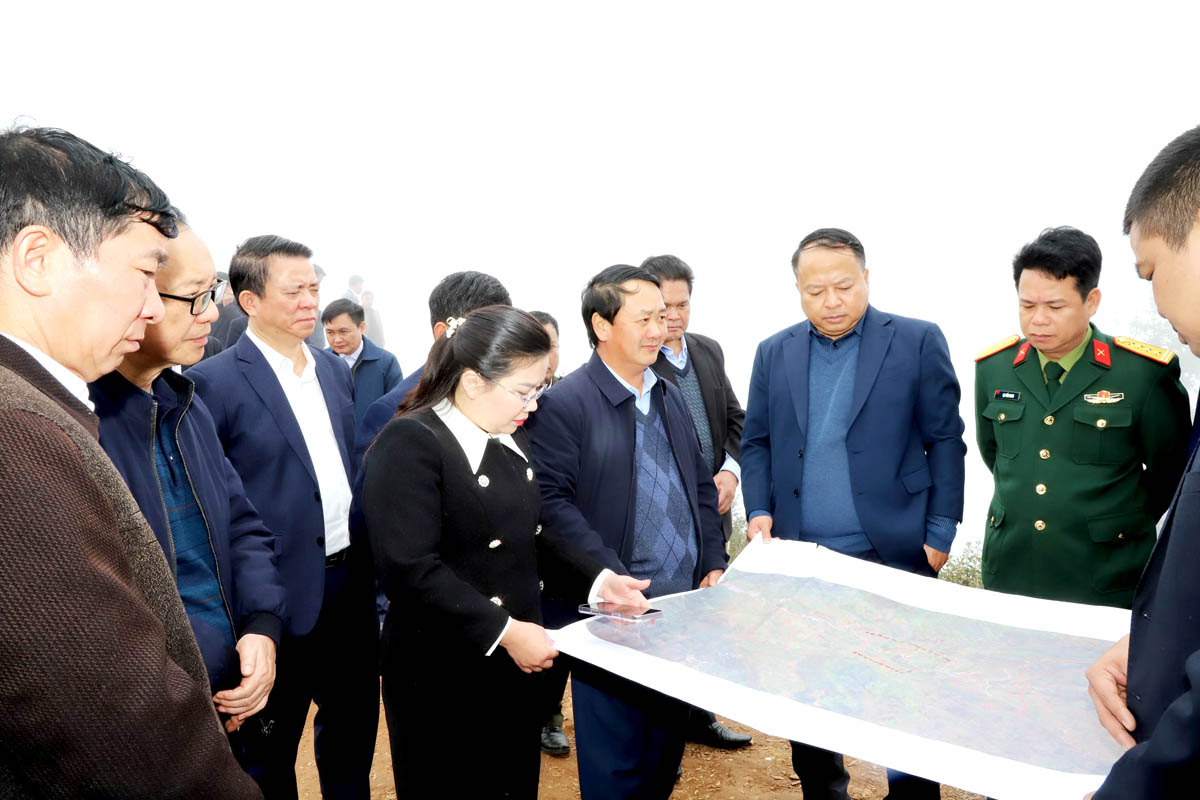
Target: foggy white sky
[(543, 141)]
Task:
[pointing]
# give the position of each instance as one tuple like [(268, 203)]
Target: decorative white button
[(537, 530), (529, 474), (494, 543), (484, 481), (542, 584), (497, 601)]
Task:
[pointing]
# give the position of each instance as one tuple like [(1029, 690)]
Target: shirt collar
[(352, 358), (1070, 359), (678, 361), (470, 437), (74, 384), (648, 381), (280, 363), (857, 329)]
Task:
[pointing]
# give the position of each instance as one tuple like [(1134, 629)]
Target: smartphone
[(620, 611)]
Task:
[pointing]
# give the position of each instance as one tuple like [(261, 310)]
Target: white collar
[(278, 361), (353, 357), (470, 437), (74, 384)]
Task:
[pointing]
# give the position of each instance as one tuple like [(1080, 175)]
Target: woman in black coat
[(453, 517)]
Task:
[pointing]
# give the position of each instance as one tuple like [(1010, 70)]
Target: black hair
[(343, 306), (670, 268), (1166, 199), (605, 294), (248, 268), (545, 319), (460, 293), (85, 196), (492, 341), (1061, 253), (833, 239)]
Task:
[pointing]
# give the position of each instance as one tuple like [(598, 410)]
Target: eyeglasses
[(527, 398), (200, 302)]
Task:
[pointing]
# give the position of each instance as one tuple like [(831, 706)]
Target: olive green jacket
[(1080, 480)]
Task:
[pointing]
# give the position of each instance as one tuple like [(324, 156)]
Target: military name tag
[(1004, 394), (1104, 396)]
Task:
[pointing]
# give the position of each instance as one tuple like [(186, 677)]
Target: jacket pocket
[(1121, 545), (1003, 414), (1102, 434), (918, 480)]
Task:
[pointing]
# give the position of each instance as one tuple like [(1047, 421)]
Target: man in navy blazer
[(284, 412), (622, 475), (375, 371), (1147, 686), (853, 440)]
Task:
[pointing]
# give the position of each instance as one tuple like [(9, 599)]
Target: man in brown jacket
[(102, 688)]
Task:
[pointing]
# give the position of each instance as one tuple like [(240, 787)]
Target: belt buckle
[(337, 558)]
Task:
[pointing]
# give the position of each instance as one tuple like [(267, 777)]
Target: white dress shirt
[(74, 384), (304, 395), (473, 440)]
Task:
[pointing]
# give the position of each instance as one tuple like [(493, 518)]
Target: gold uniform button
[(1102, 423), (1049, 420), (1002, 416), (497, 601), (1040, 488), (1044, 453), (493, 544), (1039, 525), (1120, 536)]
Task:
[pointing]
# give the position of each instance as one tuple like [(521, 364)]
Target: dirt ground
[(761, 770)]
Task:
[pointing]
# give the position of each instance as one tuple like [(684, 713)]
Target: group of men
[(185, 566)]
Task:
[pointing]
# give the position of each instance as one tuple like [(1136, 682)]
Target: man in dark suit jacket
[(1147, 687), (853, 440), (696, 365), (284, 412), (622, 476), (375, 371)]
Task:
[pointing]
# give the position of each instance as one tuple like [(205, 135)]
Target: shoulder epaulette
[(1003, 344), (1160, 354)]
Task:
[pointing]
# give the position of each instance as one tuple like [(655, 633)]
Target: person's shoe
[(554, 741), (717, 735)]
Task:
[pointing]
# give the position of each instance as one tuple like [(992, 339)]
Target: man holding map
[(1147, 687), (853, 440)]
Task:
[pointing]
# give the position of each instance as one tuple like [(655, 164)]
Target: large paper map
[(978, 690)]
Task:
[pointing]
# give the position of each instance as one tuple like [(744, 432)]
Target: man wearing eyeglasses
[(284, 412), (221, 553)]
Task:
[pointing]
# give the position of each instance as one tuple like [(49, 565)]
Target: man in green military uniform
[(1086, 436)]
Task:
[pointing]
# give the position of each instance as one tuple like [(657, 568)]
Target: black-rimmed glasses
[(200, 302), (526, 398)]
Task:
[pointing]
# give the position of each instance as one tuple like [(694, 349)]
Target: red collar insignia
[(1024, 351), (1101, 352)]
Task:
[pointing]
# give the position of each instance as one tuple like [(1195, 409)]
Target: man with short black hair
[(376, 371), (551, 326), (1147, 687), (1085, 435), (103, 691), (284, 412), (696, 364), (658, 520), (853, 440), (456, 295)]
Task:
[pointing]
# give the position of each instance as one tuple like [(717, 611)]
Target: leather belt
[(338, 557)]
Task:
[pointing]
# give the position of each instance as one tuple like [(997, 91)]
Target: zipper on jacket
[(158, 483), (207, 528)]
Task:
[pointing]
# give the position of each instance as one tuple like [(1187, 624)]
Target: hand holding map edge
[(760, 524), (1106, 687), (625, 590)]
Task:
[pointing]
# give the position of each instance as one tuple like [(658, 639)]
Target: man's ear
[(601, 327), (1092, 301), (248, 300), (36, 257), (362, 327)]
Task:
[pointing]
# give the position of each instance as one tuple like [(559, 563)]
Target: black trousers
[(823, 776), (335, 665)]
